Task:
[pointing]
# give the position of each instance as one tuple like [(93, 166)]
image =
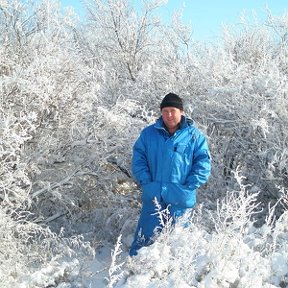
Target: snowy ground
[(195, 258), (98, 268), (228, 252), (181, 257)]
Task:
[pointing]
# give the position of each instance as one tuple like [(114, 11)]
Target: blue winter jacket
[(171, 168)]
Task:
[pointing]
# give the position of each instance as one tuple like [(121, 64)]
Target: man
[(170, 161)]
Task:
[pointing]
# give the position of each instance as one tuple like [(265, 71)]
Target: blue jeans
[(150, 224)]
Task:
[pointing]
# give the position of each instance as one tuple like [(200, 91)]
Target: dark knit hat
[(172, 100)]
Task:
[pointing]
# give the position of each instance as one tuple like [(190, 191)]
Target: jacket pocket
[(181, 163), (150, 191), (178, 195)]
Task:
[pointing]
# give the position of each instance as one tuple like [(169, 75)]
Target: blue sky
[(208, 16)]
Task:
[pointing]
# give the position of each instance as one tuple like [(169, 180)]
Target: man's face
[(171, 117)]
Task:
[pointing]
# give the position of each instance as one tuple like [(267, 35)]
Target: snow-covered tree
[(74, 97)]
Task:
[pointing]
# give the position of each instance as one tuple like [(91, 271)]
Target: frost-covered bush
[(33, 256), (74, 97), (236, 91), (244, 110), (15, 183), (71, 78), (232, 254)]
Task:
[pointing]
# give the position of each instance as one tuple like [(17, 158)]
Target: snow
[(98, 268), (68, 127), (279, 265), (180, 257)]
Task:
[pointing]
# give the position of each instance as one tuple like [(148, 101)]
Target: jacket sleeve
[(201, 164), (184, 195), (140, 167)]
